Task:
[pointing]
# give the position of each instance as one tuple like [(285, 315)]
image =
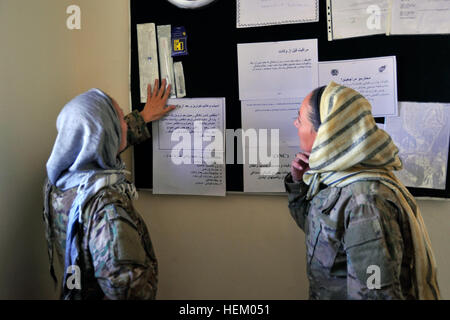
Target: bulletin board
[(211, 68)]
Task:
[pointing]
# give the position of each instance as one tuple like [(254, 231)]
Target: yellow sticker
[(178, 45)]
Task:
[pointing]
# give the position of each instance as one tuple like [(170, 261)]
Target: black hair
[(314, 102)]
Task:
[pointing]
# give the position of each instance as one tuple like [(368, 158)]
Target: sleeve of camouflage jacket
[(124, 263), (298, 205), (137, 128), (375, 251)]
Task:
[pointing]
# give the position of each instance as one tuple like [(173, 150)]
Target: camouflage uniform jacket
[(118, 260), (348, 230)]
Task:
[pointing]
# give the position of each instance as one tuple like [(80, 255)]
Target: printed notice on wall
[(421, 132), (277, 70), (269, 140), (188, 148), (420, 17), (374, 78), (258, 13), (356, 18)]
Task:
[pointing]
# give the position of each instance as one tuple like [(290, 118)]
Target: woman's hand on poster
[(156, 106)]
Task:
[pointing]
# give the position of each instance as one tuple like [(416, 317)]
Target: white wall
[(238, 247)]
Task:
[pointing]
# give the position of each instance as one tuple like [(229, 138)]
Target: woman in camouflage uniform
[(365, 236), (88, 210)]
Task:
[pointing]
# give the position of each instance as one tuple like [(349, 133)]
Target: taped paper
[(165, 56), (148, 57), (179, 80)]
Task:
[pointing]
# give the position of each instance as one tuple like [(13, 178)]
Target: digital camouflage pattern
[(349, 229), (137, 128), (116, 250)]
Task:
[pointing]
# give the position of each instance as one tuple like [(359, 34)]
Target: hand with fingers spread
[(299, 166), (156, 107)]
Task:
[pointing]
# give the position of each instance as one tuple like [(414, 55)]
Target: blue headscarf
[(85, 155)]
